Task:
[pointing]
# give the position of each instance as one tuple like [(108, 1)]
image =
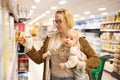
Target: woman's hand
[(19, 37), (21, 40), (44, 55)]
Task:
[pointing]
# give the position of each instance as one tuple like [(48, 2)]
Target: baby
[(71, 54)]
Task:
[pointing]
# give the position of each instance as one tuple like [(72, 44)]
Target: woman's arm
[(36, 56), (92, 58)]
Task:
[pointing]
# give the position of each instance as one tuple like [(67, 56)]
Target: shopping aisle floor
[(107, 76), (108, 68)]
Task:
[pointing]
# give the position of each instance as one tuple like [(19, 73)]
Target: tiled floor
[(107, 76)]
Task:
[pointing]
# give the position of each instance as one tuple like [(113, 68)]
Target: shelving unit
[(23, 62), (91, 30), (8, 56), (92, 35), (110, 40), (1, 45), (110, 36)]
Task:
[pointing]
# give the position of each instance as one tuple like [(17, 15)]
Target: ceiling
[(76, 6)]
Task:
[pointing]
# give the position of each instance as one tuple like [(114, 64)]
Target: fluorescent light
[(104, 14), (75, 19), (43, 14), (92, 16), (76, 15), (54, 7), (62, 2), (36, 19), (33, 7), (37, 23), (37, 0), (48, 11), (87, 12), (82, 18), (102, 9), (31, 11)]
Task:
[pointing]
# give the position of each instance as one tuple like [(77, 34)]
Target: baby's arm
[(72, 62)]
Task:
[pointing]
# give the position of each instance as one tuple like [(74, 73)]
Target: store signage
[(20, 27)]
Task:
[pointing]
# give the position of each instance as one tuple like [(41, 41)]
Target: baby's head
[(71, 38)]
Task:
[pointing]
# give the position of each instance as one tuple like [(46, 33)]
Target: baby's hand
[(62, 65), (44, 55)]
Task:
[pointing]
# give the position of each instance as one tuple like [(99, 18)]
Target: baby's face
[(69, 40)]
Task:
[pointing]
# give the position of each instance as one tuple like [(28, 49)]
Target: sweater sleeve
[(92, 58), (72, 61), (36, 56), (73, 58)]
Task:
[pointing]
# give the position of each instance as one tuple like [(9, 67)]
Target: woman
[(63, 21)]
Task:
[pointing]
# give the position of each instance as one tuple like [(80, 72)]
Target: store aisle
[(107, 76), (108, 68)]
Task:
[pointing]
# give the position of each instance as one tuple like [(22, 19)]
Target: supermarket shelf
[(108, 41), (21, 53), (22, 71), (109, 50), (111, 22), (110, 30), (23, 58)]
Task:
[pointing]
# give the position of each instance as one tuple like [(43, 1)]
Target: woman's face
[(60, 23)]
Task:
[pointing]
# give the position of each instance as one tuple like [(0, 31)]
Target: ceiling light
[(37, 0), (76, 15), (31, 11), (54, 7), (104, 14), (87, 12), (48, 11), (62, 2), (37, 23), (82, 18), (102, 9), (92, 16), (33, 7), (36, 19), (43, 14), (75, 19)]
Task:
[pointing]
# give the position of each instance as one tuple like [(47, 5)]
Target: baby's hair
[(74, 32)]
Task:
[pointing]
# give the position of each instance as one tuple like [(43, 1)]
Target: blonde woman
[(63, 22)]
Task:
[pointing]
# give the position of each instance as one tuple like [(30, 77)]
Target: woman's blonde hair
[(68, 17)]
